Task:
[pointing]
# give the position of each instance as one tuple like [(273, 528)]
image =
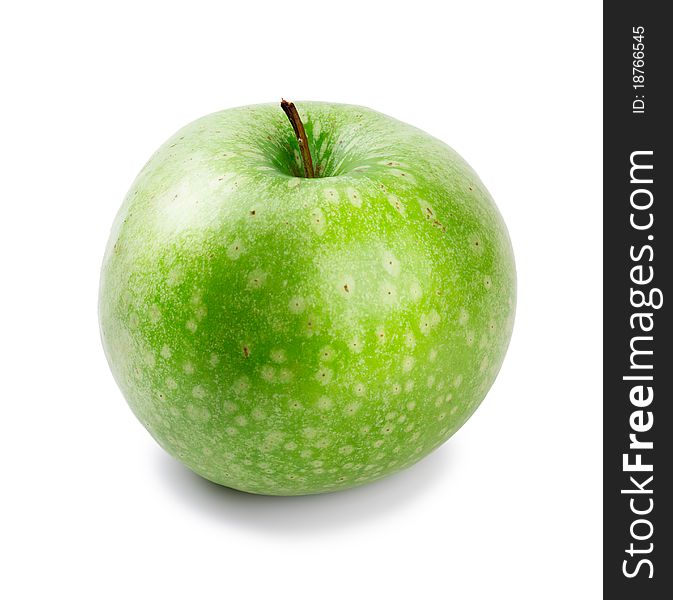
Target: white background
[(92, 508)]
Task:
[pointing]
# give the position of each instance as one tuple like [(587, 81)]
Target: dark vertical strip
[(638, 300)]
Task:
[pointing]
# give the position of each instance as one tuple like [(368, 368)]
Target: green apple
[(283, 334)]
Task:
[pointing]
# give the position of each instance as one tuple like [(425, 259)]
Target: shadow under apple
[(306, 514)]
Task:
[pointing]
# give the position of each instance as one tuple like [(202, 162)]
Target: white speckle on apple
[(458, 381), (427, 211), (165, 351), (311, 325), (324, 403), (318, 221), (408, 363), (396, 203), (235, 250), (355, 345), (294, 181), (214, 360), (430, 381), (390, 263), (256, 279), (191, 325), (199, 392), (171, 384), (267, 373), (352, 408), (229, 407), (273, 439), (324, 375), (415, 291), (331, 195), (354, 197), (197, 413), (326, 354), (278, 355), (297, 305), (463, 317), (429, 321), (155, 313), (359, 389), (258, 414), (409, 386), (403, 175), (241, 420), (241, 385), (175, 277), (476, 245), (388, 293), (149, 358), (188, 368)]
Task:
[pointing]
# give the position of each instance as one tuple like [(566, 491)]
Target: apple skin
[(283, 335)]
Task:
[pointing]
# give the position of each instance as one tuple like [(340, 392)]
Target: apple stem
[(291, 111)]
